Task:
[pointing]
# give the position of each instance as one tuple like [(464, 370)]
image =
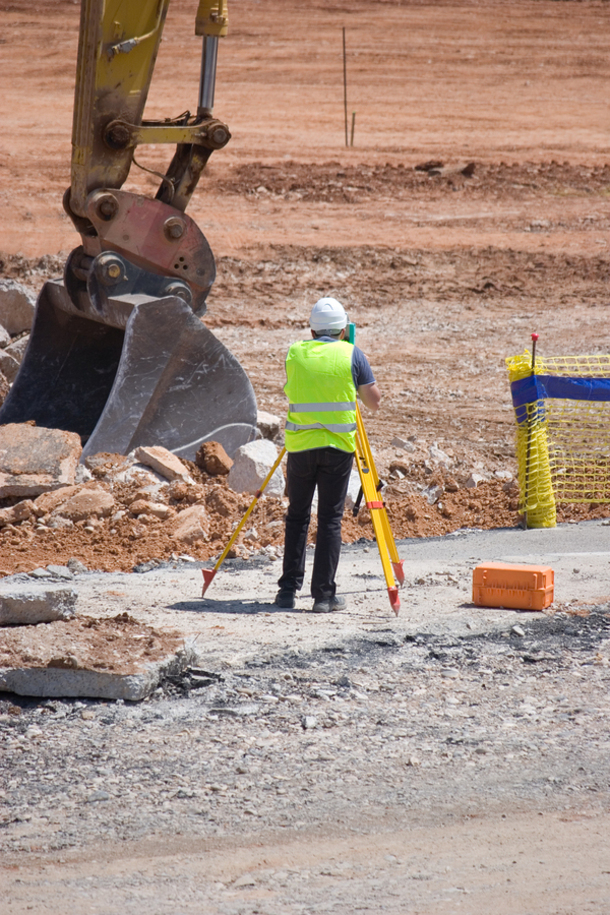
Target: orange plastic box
[(501, 584)]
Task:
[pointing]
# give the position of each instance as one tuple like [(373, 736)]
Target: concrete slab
[(28, 604), (52, 682)]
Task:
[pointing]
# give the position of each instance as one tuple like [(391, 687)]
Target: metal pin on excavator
[(118, 352)]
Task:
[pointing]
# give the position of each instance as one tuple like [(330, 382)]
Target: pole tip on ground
[(394, 599), (208, 577)]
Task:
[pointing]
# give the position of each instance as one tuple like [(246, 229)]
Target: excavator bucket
[(146, 371)]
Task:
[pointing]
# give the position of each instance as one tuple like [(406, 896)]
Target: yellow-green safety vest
[(322, 396)]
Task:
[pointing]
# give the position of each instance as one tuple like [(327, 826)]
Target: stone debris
[(145, 507), (163, 461), (16, 350), (191, 525), (9, 366), (438, 456), (34, 460), (353, 489), (21, 511), (5, 337), (268, 425), (405, 444), (89, 501), (49, 501), (213, 458), (474, 479), (28, 604), (17, 305), (252, 463), (60, 572)]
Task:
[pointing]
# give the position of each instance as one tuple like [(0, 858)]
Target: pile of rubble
[(112, 511)]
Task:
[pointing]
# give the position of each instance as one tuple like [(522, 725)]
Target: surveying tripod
[(370, 486)]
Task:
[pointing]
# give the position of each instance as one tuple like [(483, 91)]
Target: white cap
[(327, 314)]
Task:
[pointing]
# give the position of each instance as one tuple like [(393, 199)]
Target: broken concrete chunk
[(353, 490), (60, 572), (403, 443), (16, 513), (163, 461), (268, 425), (104, 464), (24, 605), (474, 479), (69, 680), (252, 463), (18, 348), (17, 306), (191, 525), (146, 507), (87, 502), (438, 456), (57, 523), (9, 366), (35, 460), (48, 501), (4, 388), (212, 458)]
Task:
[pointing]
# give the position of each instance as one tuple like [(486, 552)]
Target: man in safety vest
[(324, 374)]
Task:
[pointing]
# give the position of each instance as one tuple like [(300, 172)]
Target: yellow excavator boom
[(118, 350)]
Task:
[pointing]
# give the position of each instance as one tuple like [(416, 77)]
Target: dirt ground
[(445, 273)]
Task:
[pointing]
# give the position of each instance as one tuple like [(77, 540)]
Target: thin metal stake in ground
[(208, 574), (345, 88)]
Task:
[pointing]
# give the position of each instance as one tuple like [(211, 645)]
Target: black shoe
[(285, 599), (329, 604)]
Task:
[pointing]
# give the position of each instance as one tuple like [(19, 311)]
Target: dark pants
[(329, 470)]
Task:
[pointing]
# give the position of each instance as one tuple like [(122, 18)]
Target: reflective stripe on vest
[(332, 427), (321, 407)]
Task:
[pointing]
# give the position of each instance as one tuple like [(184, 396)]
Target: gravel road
[(381, 766)]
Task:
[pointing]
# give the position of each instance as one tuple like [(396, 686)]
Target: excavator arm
[(118, 350)]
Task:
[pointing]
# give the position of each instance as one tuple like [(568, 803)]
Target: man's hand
[(370, 395)]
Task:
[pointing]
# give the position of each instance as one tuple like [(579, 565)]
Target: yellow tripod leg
[(369, 481), (208, 574), (397, 562)]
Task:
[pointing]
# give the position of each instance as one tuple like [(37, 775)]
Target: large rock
[(163, 461), (212, 458), (252, 463), (191, 525), (16, 307), (268, 425), (86, 503), (28, 604), (34, 460)]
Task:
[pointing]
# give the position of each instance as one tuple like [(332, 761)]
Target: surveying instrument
[(370, 489)]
